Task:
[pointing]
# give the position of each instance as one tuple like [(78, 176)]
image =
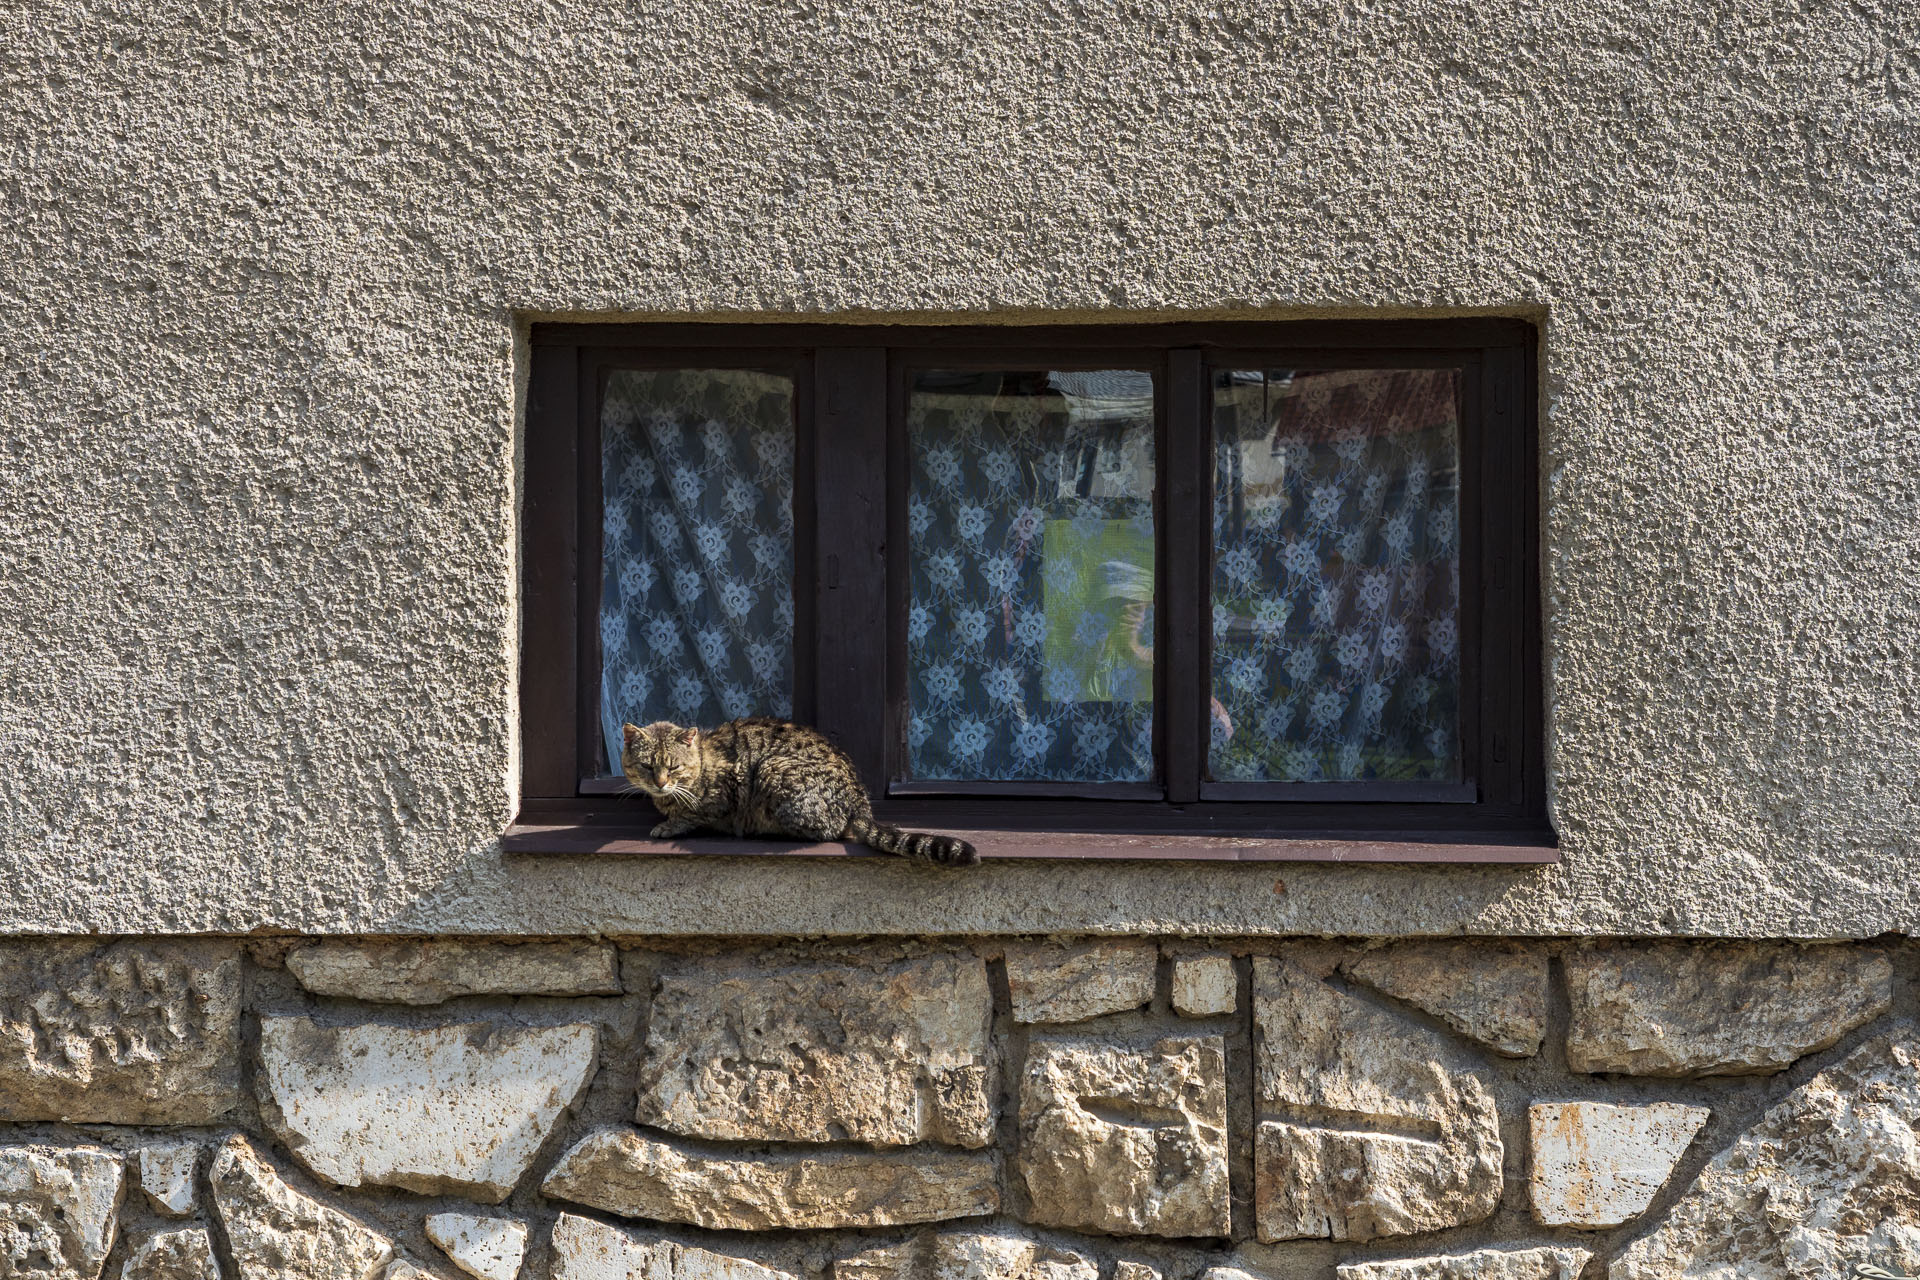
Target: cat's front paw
[(671, 828)]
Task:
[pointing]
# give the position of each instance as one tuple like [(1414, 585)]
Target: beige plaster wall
[(263, 268)]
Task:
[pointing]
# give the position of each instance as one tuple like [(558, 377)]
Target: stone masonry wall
[(1017, 1109)]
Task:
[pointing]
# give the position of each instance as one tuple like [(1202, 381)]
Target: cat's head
[(660, 759)]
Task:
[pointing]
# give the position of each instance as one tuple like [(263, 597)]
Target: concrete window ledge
[(565, 839)]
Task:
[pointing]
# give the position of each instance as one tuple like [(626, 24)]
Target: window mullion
[(849, 526), (1499, 600), (1185, 561), (589, 382), (549, 676)]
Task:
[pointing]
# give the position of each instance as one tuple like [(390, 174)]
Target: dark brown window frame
[(850, 592)]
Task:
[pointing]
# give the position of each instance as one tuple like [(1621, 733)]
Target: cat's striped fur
[(763, 777)]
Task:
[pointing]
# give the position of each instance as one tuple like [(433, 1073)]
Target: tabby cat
[(763, 777)]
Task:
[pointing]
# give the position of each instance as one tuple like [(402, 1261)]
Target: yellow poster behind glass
[(1099, 602)]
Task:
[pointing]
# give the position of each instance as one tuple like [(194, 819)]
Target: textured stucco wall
[(263, 270)]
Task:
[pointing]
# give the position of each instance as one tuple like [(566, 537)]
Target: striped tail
[(947, 851)]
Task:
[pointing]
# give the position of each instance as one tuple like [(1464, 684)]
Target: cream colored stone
[(585, 1249), (1005, 1255), (1059, 982), (59, 1208), (453, 1110), (1556, 1263), (277, 1233), (1716, 1009), (166, 1175), (968, 1255), (883, 1262), (1126, 1138), (1491, 992), (1828, 1177), (183, 1253), (632, 1173), (487, 1248), (886, 1054), (406, 1269), (1598, 1165), (1227, 1273), (428, 971), (1204, 986), (1368, 1124), (122, 1033), (1128, 1269), (1317, 1181)]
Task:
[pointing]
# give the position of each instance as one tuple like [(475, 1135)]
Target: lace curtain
[(1030, 623), (1335, 594), (1336, 586), (696, 593)]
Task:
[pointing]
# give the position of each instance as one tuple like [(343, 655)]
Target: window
[(1252, 590)]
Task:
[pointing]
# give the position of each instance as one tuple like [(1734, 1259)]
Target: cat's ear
[(689, 734), (632, 732)]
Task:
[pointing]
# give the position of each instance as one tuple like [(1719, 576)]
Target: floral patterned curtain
[(1031, 545), (1030, 625), (696, 592), (1336, 586)]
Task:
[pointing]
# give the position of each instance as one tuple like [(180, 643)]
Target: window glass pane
[(696, 587), (1030, 631), (1336, 580)]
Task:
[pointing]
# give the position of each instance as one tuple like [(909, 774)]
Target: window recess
[(1211, 591)]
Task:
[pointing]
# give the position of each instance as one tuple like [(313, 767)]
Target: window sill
[(600, 839)]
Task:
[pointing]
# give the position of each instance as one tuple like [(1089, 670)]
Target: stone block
[(885, 1054), (883, 1262), (1717, 1009), (122, 1033), (59, 1209), (1599, 1165), (1482, 1264), (1006, 1255), (182, 1253), (487, 1248), (968, 1255), (166, 1176), (1204, 986), (586, 1249), (1126, 1138), (1494, 993), (1061, 982), (452, 1110), (428, 971), (1129, 1269), (1368, 1124), (275, 1232), (636, 1175), (1828, 1177)]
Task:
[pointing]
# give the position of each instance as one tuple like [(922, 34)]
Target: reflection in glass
[(696, 590), (1030, 623), (1336, 581)]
